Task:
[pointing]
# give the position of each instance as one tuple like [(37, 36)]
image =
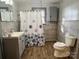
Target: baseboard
[(53, 40)]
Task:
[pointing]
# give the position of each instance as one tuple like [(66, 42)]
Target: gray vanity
[(14, 45)]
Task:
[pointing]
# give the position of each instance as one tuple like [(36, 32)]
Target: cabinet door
[(53, 13), (23, 43), (11, 48)]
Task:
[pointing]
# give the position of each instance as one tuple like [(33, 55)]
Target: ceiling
[(37, 1)]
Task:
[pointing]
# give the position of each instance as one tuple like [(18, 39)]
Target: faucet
[(11, 31)]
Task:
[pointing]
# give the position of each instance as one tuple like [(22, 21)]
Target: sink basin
[(16, 34)]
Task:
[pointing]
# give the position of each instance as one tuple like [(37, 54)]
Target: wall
[(22, 6), (12, 25), (15, 16), (70, 26), (27, 6)]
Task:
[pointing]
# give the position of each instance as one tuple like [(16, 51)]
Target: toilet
[(61, 50)]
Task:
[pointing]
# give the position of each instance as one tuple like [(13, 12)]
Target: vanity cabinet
[(14, 46)]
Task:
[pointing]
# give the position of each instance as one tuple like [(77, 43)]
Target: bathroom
[(43, 28)]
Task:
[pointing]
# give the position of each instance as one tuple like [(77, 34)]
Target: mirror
[(6, 10)]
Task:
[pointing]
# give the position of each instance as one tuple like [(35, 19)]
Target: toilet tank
[(70, 40)]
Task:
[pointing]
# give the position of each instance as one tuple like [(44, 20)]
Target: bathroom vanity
[(77, 50), (14, 45)]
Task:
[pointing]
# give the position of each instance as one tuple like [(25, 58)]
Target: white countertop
[(14, 34)]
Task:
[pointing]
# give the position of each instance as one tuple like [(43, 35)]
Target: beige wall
[(70, 26)]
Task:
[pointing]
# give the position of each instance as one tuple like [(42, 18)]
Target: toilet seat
[(60, 46)]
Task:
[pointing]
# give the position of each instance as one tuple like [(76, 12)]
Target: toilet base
[(63, 57), (61, 54)]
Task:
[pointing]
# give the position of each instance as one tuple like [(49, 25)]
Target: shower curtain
[(31, 24)]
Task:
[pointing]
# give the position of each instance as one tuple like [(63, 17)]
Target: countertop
[(14, 35)]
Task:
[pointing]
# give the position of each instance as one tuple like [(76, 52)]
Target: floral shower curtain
[(31, 24)]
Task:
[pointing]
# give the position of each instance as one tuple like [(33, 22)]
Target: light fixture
[(3, 0), (7, 1), (11, 2)]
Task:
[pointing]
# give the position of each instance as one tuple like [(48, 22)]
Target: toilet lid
[(59, 44)]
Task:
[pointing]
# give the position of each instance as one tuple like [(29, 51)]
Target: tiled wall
[(71, 26), (6, 27), (50, 31)]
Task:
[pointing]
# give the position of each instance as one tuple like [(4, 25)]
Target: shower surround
[(31, 24)]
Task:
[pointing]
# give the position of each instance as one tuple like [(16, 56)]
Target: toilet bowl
[(61, 50)]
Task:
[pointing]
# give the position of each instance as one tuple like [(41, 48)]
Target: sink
[(14, 34)]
